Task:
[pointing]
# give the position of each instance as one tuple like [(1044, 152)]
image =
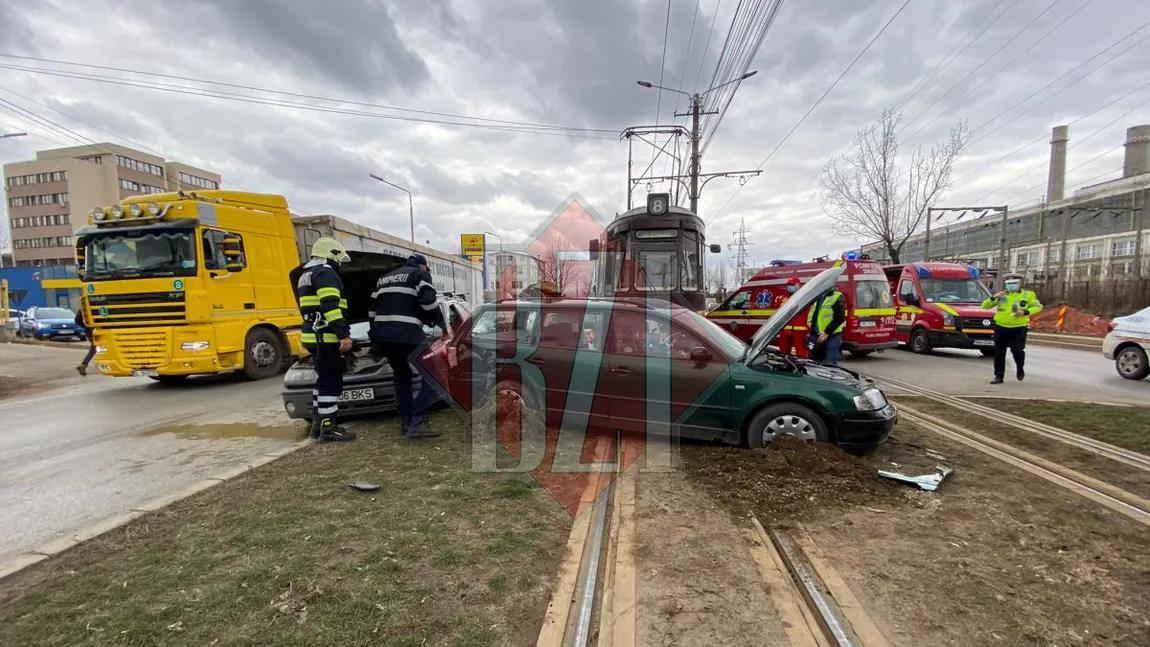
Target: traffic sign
[(471, 244)]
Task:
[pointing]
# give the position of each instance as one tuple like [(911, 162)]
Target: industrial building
[(1099, 232)]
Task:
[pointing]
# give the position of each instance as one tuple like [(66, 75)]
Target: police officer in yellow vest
[(326, 334), (1013, 309), (825, 320)]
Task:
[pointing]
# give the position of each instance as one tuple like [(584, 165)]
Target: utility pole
[(740, 245), (696, 111), (694, 172)]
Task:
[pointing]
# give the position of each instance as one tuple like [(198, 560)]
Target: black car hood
[(836, 374)]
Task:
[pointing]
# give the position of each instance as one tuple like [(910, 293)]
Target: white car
[(1127, 344)]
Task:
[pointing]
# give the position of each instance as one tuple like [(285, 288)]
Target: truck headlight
[(947, 319), (871, 399), (100, 350), (194, 345)]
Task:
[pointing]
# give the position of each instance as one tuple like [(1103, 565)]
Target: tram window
[(690, 270), (658, 271)]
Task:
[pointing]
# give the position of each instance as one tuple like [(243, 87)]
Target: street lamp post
[(695, 112), (497, 258), (10, 135), (410, 207)]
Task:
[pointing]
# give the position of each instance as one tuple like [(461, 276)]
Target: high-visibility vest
[(1024, 301), (826, 313)]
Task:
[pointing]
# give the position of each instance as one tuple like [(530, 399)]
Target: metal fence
[(1107, 298)]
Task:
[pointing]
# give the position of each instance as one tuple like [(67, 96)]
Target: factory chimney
[(1056, 183), (1137, 151)]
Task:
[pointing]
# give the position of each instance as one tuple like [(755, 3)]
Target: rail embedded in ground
[(1110, 496), (1126, 456)]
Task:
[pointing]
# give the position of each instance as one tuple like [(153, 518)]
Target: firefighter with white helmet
[(326, 334)]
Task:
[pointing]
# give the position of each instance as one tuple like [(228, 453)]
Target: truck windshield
[(953, 290), (134, 254)]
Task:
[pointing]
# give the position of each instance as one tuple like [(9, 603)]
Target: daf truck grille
[(137, 310), (146, 348)]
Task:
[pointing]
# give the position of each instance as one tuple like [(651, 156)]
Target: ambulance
[(870, 308), (940, 306)]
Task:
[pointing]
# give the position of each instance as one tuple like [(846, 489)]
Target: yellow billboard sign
[(472, 244)]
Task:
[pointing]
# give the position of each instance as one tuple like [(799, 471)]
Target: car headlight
[(194, 345), (947, 319), (871, 399), (300, 374)]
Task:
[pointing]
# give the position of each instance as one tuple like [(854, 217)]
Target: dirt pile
[(1078, 322), (787, 479)]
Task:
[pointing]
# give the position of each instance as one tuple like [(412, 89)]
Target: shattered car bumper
[(862, 431)]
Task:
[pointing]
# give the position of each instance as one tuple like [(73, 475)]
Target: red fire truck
[(940, 306), (870, 308)]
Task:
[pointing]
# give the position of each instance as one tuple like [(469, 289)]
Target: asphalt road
[(1051, 373), (76, 450)]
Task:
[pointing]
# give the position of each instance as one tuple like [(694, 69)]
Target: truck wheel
[(1131, 363), (263, 357), (785, 418), (986, 352), (919, 342)]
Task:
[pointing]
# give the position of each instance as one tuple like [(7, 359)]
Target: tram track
[(1125, 456)]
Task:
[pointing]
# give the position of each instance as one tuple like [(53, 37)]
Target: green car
[(651, 366)]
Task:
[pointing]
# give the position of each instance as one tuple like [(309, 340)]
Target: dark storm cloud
[(305, 162), (355, 45), (435, 183)]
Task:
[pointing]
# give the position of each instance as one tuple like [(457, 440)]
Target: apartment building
[(49, 197)]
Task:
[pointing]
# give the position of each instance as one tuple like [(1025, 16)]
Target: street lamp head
[(645, 84), (749, 75)]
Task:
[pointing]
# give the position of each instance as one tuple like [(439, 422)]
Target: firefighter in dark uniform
[(404, 301), (326, 335)]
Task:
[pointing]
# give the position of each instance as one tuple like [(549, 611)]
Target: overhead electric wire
[(216, 94), (1055, 81), (298, 95), (707, 46), (952, 56), (960, 100), (749, 52), (1043, 137), (662, 68), (818, 101), (23, 121), (682, 78), (984, 62), (42, 122), (722, 61)]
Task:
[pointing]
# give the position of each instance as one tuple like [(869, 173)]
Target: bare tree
[(866, 195), (553, 267), (718, 280)]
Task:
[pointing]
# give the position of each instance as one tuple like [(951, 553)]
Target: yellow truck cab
[(178, 284)]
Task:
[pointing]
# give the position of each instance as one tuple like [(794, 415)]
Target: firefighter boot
[(313, 433), (330, 432), (420, 429)]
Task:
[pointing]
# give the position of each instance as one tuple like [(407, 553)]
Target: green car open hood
[(798, 302)]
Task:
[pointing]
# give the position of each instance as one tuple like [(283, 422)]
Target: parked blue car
[(49, 323)]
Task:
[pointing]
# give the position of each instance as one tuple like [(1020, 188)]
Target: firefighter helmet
[(329, 250)]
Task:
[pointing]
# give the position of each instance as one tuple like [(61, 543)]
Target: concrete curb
[(15, 563)]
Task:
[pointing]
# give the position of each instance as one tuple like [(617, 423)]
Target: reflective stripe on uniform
[(328, 410), (343, 303), (328, 292), (310, 338), (394, 289), (327, 398), (308, 301), (431, 306), (333, 315), (398, 318)]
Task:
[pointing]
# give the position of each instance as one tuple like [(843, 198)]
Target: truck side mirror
[(715, 249)]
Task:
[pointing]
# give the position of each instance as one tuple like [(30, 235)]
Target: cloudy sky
[(572, 63)]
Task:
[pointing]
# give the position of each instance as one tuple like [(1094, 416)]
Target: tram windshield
[(663, 263)]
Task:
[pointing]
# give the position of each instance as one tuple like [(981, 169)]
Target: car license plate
[(984, 342), (146, 372), (867, 324), (357, 395)]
